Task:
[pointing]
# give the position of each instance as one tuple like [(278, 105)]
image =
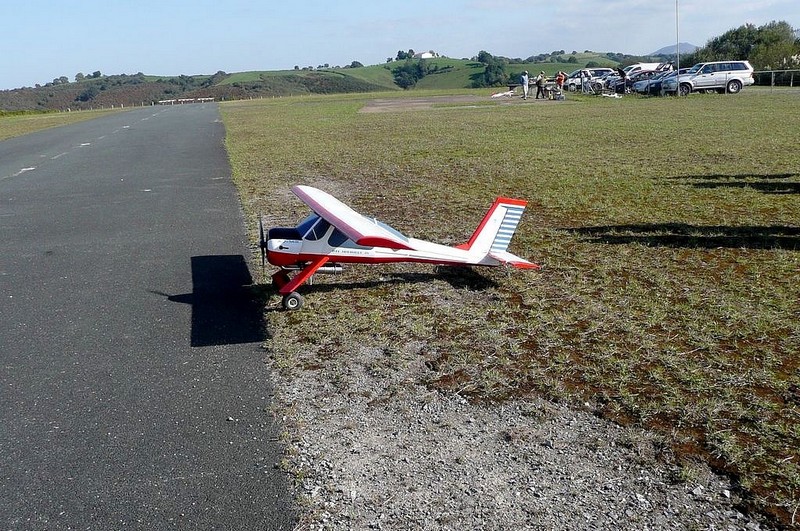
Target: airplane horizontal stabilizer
[(511, 259)]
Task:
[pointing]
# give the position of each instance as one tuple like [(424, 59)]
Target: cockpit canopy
[(315, 227)]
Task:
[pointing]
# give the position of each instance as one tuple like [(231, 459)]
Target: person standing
[(586, 81), (523, 80), (540, 85), (561, 77)]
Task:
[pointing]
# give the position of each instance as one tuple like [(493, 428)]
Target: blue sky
[(44, 39)]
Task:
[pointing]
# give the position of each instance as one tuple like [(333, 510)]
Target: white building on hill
[(426, 55)]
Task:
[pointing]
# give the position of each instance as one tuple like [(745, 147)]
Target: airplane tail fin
[(490, 240)]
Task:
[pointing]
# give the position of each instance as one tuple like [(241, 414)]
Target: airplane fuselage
[(293, 252)]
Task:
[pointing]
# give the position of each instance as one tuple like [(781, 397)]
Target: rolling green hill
[(139, 89)]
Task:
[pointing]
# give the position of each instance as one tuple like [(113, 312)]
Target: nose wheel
[(292, 301)]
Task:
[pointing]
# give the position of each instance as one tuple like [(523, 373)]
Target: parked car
[(653, 86), (638, 67), (715, 76), (643, 86), (621, 86), (573, 82)]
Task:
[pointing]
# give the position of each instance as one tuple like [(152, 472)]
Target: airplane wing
[(364, 231)]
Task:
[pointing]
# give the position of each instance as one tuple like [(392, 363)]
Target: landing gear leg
[(280, 278), (291, 299)]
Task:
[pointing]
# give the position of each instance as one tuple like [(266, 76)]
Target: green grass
[(244, 77), (669, 232), (17, 124), (378, 75)]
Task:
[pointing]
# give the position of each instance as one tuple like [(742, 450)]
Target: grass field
[(669, 234), (21, 124)]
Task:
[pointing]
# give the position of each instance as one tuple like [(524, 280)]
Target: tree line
[(773, 46)]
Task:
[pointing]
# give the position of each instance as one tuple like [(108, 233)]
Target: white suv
[(716, 76)]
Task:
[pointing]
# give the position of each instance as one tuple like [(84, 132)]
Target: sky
[(41, 40)]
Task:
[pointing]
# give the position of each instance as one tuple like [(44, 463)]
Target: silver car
[(715, 76)]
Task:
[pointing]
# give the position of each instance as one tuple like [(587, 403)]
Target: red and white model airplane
[(335, 234)]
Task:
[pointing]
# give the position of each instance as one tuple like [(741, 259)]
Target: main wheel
[(292, 301), (734, 86)]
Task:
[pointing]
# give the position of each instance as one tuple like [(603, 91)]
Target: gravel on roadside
[(374, 448)]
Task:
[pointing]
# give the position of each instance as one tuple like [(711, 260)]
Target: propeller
[(262, 242)]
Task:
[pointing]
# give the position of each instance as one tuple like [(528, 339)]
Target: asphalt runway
[(133, 392)]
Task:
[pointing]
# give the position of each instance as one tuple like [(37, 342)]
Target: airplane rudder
[(511, 215), (493, 222)]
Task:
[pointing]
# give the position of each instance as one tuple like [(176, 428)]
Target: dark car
[(653, 86), (624, 86)]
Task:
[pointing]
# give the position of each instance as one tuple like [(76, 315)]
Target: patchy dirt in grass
[(413, 104), (407, 104), (373, 447)]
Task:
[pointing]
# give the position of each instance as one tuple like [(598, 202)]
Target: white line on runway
[(23, 170), (58, 156)]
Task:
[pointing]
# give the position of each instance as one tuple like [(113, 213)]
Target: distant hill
[(139, 89), (684, 47)]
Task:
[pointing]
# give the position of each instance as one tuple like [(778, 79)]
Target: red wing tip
[(511, 201)]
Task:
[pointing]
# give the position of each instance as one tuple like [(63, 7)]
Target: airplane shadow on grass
[(226, 308), (695, 236), (778, 183), (457, 277)]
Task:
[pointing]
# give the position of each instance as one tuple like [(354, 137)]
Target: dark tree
[(88, 94), (495, 72), (485, 57), (772, 45), (410, 72)]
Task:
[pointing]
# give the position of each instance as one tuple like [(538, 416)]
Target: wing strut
[(303, 275)]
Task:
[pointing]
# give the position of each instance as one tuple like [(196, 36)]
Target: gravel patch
[(372, 447)]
